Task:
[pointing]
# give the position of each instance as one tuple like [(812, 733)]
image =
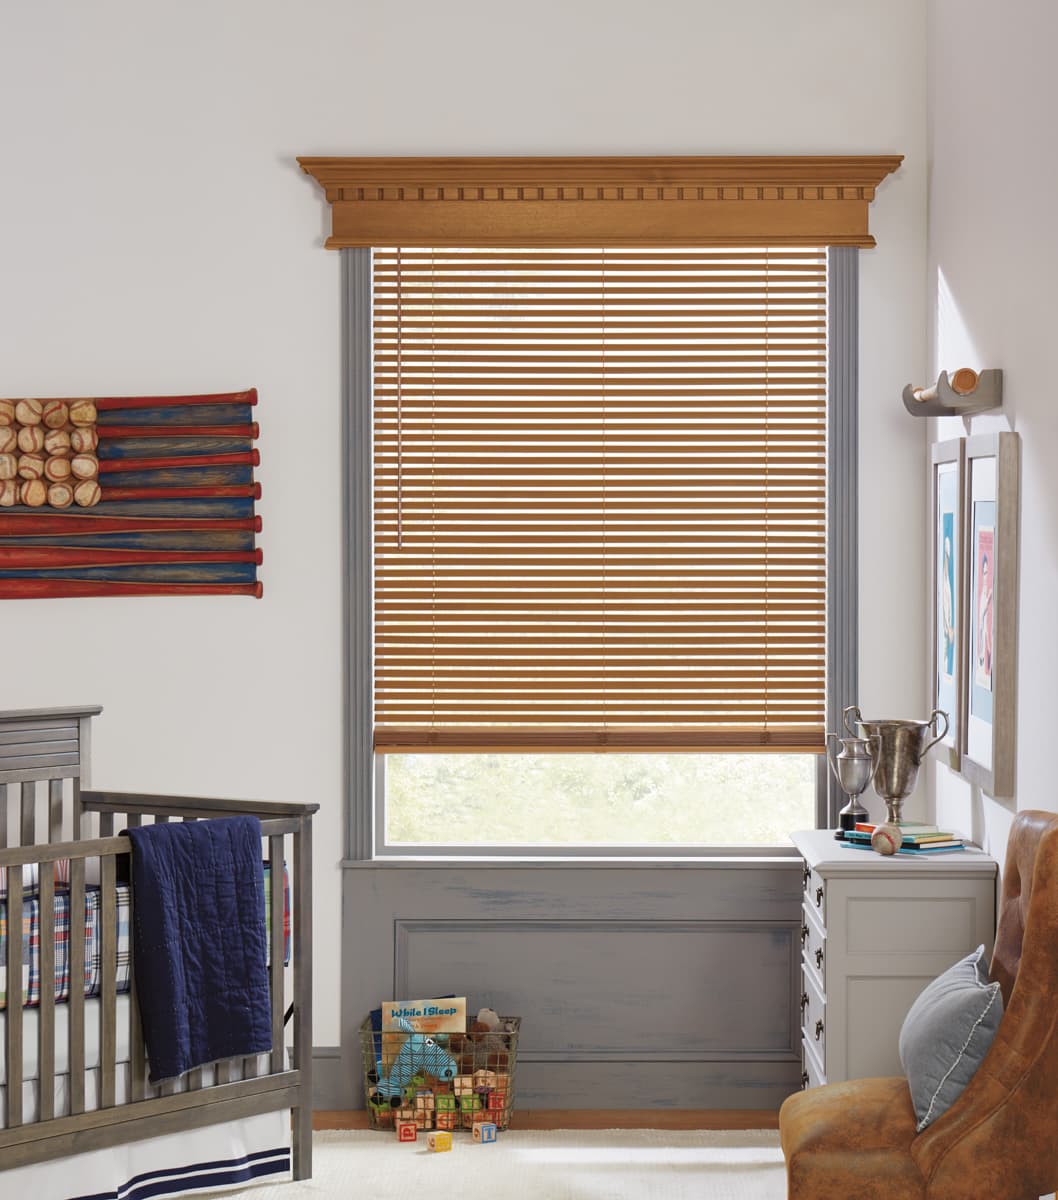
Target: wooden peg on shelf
[(960, 395)]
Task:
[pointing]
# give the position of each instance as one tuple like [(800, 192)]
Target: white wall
[(156, 236), (993, 261)]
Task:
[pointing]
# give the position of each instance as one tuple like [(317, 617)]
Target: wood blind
[(599, 499)]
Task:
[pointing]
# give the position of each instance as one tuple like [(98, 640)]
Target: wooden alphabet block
[(470, 1102), (407, 1131), (496, 1101), (439, 1141), (484, 1131), (445, 1103), (447, 1120)]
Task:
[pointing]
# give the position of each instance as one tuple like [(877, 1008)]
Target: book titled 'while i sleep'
[(447, 1015)]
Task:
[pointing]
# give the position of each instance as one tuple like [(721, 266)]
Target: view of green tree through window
[(597, 799)]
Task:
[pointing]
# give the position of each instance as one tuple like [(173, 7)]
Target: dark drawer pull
[(819, 897), (819, 1029), (804, 1080), (819, 959), (806, 875), (804, 1002), (804, 934)]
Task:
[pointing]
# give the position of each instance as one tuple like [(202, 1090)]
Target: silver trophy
[(855, 763), (901, 746)]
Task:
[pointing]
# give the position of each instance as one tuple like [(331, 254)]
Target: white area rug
[(616, 1164)]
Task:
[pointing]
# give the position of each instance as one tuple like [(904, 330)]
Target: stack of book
[(918, 839)]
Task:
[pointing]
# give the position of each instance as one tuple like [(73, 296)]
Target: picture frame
[(991, 498), (947, 487)]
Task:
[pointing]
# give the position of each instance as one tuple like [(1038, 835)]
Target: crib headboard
[(38, 747)]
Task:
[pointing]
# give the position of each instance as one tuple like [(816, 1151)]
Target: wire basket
[(399, 1085)]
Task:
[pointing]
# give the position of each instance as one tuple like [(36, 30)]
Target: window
[(599, 524), (710, 205)]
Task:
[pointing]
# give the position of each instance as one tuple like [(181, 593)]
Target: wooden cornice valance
[(788, 201)]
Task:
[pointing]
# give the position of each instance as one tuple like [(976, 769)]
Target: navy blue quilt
[(199, 942)]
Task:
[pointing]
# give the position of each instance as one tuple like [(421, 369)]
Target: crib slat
[(108, 918), (275, 870), (138, 1066), (54, 810), (106, 824), (46, 1022), (76, 998), (14, 998), (78, 812), (134, 820), (302, 961), (3, 816), (29, 812), (224, 1071), (194, 1079)]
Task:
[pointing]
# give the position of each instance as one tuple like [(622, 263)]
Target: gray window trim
[(358, 573), (365, 777), (843, 639)]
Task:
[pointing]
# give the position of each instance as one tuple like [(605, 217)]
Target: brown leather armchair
[(999, 1141)]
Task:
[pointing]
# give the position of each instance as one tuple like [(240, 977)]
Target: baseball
[(886, 839), (84, 440), (82, 412), (29, 412), (85, 466), (86, 493), (31, 466), (55, 413), (34, 493), (60, 495), (57, 469), (7, 412), (57, 441), (31, 439), (8, 493), (8, 439), (8, 466)]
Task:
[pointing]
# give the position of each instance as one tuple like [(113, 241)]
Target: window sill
[(742, 858)]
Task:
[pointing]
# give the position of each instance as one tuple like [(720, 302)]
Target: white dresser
[(874, 932)]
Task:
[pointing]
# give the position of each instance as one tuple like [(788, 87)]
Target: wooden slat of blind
[(599, 499)]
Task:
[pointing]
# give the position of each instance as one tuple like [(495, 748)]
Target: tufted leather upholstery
[(857, 1141)]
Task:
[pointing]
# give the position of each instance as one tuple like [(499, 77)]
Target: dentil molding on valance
[(777, 201)]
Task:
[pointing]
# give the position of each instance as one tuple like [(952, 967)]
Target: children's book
[(447, 1015)]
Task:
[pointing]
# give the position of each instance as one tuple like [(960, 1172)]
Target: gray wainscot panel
[(639, 985)]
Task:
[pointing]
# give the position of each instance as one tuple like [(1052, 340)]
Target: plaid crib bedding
[(93, 975)]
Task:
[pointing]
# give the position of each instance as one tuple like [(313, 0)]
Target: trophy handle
[(875, 741), (940, 736), (827, 756), (845, 718)]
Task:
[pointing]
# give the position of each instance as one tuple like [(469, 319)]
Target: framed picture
[(990, 604), (947, 634)]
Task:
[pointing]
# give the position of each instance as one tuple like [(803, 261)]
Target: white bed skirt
[(236, 1154)]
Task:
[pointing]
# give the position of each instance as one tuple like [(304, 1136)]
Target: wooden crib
[(49, 817)]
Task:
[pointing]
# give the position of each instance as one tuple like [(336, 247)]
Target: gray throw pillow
[(947, 1033)]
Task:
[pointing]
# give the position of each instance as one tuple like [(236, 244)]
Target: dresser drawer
[(812, 1073), (814, 946), (815, 894), (813, 1013)]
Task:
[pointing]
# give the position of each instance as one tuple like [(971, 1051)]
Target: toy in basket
[(446, 1082), (422, 1054)]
